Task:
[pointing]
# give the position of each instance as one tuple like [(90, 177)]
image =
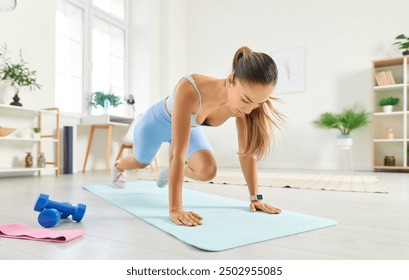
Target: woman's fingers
[(177, 221), (270, 209), (190, 219), (196, 216), (264, 207)]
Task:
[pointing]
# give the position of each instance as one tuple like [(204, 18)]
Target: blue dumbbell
[(65, 215), (49, 217), (65, 209)]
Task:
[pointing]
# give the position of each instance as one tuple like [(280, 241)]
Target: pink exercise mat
[(39, 234)]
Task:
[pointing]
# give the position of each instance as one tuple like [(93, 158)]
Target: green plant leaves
[(17, 73), (98, 98), (402, 42), (391, 100), (348, 120)]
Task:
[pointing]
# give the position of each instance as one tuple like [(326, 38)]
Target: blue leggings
[(155, 128)]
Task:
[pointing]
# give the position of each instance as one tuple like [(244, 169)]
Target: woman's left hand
[(261, 206)]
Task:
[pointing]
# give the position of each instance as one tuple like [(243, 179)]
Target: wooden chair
[(127, 142)]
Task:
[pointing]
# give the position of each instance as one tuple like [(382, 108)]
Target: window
[(114, 7), (91, 37), (108, 60), (69, 57)]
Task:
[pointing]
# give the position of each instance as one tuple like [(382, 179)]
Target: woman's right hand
[(183, 218)]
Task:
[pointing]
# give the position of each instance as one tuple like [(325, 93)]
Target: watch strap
[(256, 197)]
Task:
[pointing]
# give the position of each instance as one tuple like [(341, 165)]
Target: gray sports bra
[(170, 100)]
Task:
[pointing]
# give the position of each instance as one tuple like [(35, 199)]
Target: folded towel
[(40, 234)]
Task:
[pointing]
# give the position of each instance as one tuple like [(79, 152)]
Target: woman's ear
[(229, 80)]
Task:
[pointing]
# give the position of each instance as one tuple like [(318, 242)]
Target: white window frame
[(91, 11)]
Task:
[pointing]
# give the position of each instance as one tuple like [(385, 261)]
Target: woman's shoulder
[(186, 94), (200, 77), (190, 81)]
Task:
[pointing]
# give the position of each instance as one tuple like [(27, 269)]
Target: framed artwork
[(290, 65), (7, 5)]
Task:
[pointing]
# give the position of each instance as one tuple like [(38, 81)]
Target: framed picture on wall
[(290, 65)]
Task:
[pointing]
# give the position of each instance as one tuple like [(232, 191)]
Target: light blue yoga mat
[(228, 223)]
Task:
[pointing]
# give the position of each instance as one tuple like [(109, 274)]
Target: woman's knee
[(206, 172), (202, 166)]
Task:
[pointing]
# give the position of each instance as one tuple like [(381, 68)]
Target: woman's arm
[(186, 103), (248, 164), (249, 168)]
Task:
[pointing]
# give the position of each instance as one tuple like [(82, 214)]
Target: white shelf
[(397, 113), (27, 139), (26, 169), (389, 140), (388, 88), (23, 111)]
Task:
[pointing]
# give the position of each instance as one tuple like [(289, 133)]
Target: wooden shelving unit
[(23, 119), (397, 120)]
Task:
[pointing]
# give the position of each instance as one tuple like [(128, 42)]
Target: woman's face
[(244, 97)]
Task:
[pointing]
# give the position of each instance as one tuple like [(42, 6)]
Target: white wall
[(31, 28), (158, 48), (158, 52), (340, 39)]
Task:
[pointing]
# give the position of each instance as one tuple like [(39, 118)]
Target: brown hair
[(258, 68)]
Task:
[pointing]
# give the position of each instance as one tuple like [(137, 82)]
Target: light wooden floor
[(371, 226)]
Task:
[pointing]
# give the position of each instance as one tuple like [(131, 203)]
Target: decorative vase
[(389, 161), (107, 104), (29, 160), (16, 101), (390, 134), (405, 52), (41, 160), (6, 92)]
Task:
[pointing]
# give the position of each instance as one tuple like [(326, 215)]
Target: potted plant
[(17, 74), (105, 100), (387, 103), (348, 120), (402, 42), (36, 133)]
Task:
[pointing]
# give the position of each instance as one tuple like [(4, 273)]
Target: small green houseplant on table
[(105, 100), (387, 103), (17, 74), (348, 120), (402, 42)]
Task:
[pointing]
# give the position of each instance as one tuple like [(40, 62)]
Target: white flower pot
[(387, 108), (345, 141), (35, 135)]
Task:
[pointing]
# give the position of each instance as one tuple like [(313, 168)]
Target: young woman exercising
[(200, 100)]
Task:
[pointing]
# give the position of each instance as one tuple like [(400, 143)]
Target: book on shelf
[(384, 78)]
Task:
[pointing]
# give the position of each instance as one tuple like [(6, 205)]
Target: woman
[(200, 100)]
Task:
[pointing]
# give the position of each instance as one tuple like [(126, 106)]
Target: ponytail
[(239, 54)]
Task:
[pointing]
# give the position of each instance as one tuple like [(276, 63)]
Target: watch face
[(7, 5)]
